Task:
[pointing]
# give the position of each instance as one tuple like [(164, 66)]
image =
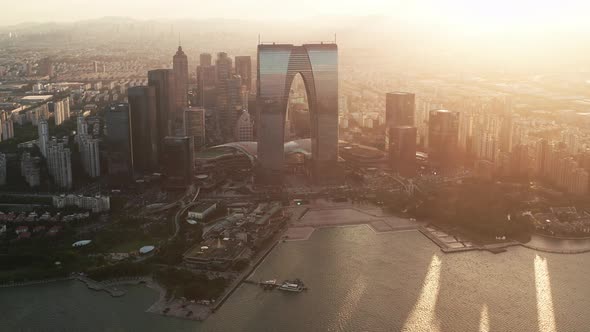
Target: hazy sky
[(477, 13)]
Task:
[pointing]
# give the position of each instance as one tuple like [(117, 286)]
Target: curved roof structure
[(302, 146)]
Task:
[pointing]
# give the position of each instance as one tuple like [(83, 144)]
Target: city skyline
[(294, 157)]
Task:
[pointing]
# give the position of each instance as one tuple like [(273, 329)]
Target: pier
[(272, 286)]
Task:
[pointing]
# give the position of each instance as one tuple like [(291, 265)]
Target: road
[(180, 212)]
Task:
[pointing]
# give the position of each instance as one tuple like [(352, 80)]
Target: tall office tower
[(277, 66), (443, 131), (95, 63), (163, 82), (178, 161), (180, 67), (89, 151), (402, 150), (2, 169), (223, 73), (229, 106), (206, 86), (30, 169), (194, 125), (205, 80), (223, 67), (144, 129), (43, 140), (244, 69), (118, 141), (399, 109), (205, 59), (60, 164), (244, 129)]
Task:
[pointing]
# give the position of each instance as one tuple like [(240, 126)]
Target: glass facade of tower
[(443, 133), (118, 140), (277, 66)]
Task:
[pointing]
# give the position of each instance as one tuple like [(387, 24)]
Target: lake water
[(359, 281)]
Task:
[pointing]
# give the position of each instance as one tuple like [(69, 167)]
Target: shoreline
[(190, 310)]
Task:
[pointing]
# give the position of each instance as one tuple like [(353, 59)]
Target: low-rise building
[(96, 204)]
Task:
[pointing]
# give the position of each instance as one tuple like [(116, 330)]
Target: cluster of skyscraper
[(225, 89), (159, 131), (401, 135)]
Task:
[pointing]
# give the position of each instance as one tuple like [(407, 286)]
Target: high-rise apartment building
[(3, 164), (61, 110), (89, 151), (59, 163), (30, 169), (144, 129), (81, 128), (43, 140), (6, 126), (542, 150)]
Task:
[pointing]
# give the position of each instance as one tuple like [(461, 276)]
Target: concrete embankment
[(35, 282), (245, 274)]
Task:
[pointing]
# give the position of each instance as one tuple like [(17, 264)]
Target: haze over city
[(294, 165)]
